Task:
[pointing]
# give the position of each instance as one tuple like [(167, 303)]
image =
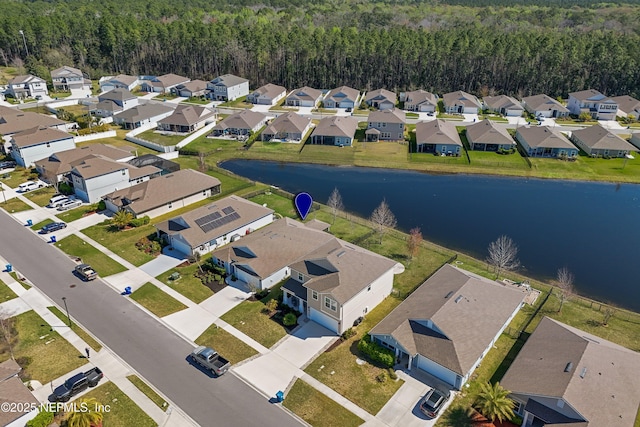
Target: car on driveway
[(433, 402), (54, 226), (7, 165), (77, 384), (69, 204), (29, 186)]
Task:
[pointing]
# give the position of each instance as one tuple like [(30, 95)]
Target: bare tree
[(383, 218), (502, 255), (607, 314), (7, 325), (414, 241), (564, 280), (335, 203)]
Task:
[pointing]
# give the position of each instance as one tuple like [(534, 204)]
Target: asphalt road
[(152, 349)]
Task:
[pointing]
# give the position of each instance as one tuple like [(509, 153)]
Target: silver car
[(69, 204)]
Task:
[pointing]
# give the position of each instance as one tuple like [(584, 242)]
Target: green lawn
[(196, 101), (14, 205), (41, 109), (317, 409), (77, 110), (41, 224), (77, 213), (188, 285), (159, 138), (17, 177), (148, 391), (226, 344), (122, 242), (6, 293), (156, 301), (123, 412), (59, 95), (95, 345), (238, 103), (42, 196), (101, 263), (248, 318), (493, 159), (42, 353)]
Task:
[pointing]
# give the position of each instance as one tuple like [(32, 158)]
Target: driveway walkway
[(161, 264)]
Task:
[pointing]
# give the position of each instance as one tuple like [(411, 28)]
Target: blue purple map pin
[(303, 202)]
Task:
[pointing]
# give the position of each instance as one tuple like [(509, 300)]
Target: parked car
[(54, 226), (76, 384), (57, 199), (69, 204), (7, 164), (29, 186), (85, 272), (209, 359), (433, 402)]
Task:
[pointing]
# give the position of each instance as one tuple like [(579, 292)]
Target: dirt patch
[(334, 345), (215, 286)]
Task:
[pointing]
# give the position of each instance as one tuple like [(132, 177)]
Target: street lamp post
[(24, 40), (64, 299)]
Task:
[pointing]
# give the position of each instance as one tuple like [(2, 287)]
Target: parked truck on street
[(85, 272), (209, 359)]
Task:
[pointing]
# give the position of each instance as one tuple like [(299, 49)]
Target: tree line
[(363, 45)]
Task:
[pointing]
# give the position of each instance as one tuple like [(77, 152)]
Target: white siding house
[(35, 144)]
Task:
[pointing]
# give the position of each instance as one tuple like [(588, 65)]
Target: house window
[(517, 407), (314, 295), (300, 277), (330, 304)]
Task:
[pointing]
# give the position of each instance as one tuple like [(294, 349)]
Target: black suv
[(7, 164), (54, 226), (76, 384), (433, 401)]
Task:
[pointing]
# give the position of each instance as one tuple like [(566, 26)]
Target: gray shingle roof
[(543, 102), (28, 78), (350, 94), (187, 115), (418, 97), (461, 98), (245, 119), (305, 93), (626, 103), (13, 120), (39, 135), (437, 132), (229, 80), (502, 101), (193, 86), (270, 90), (337, 126), (143, 112), (63, 161), (66, 71), (118, 94), (171, 79), (94, 166), (382, 94), (584, 95), (543, 136), (486, 132), (393, 115), (288, 122), (599, 138)]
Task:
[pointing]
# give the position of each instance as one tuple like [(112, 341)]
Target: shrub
[(270, 306), (65, 188), (392, 374), (43, 419), (289, 319), (102, 205), (375, 352), (382, 377), (348, 333), (136, 222)]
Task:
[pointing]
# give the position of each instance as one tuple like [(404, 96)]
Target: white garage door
[(324, 320), (436, 370)]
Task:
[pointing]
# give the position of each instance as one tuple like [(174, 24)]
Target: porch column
[(409, 364)]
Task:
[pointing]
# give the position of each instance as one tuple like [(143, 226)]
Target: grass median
[(15, 205), (156, 301), (148, 391), (91, 342), (6, 293), (226, 344), (101, 263), (123, 412), (122, 242)]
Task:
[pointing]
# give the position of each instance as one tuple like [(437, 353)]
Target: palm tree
[(88, 414), (122, 218), (493, 402)]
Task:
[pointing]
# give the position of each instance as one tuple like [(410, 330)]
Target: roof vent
[(583, 372), (449, 294), (569, 367), (340, 254)]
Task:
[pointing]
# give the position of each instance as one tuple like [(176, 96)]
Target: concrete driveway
[(161, 264), (305, 343)]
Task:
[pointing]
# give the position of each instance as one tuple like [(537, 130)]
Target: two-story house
[(382, 99), (29, 86), (114, 102), (544, 106), (228, 88), (342, 97), (303, 97), (244, 123), (461, 102), (13, 121), (38, 143), (592, 102), (287, 127), (66, 78), (386, 125), (335, 130), (268, 94), (419, 101)]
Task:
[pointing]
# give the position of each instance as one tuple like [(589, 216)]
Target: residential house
[(166, 166), (163, 194), (342, 97), (420, 101), (244, 123), (386, 125), (268, 94), (542, 141), (228, 88), (381, 99), (192, 89), (121, 81), (448, 325), (438, 137), (461, 102), (205, 229), (544, 106), (97, 176), (303, 97), (504, 105), (114, 102), (29, 86), (627, 106), (187, 119), (142, 114), (58, 165), (164, 84), (597, 141), (15, 394), (335, 130), (486, 136), (66, 78), (635, 139), (597, 105), (39, 143), (564, 376), (287, 127), (13, 121)]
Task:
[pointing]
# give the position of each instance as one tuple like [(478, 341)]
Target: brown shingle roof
[(14, 121), (171, 79), (583, 95), (351, 94), (393, 115), (543, 102), (337, 126), (437, 132), (28, 78), (245, 119), (502, 101), (461, 98), (599, 138), (626, 103), (13, 390), (270, 90), (193, 86), (543, 136), (418, 97), (382, 93), (229, 80), (63, 161), (486, 132), (187, 115), (94, 166), (118, 94), (288, 122), (39, 135), (305, 93), (66, 71)]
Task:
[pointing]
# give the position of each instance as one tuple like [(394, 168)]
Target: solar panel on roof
[(228, 210), (215, 220)]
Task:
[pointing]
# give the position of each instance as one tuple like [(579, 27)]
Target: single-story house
[(335, 130), (420, 101), (163, 194), (15, 394), (627, 106), (542, 141), (207, 228), (287, 127), (381, 99), (228, 88), (29, 86), (166, 166), (438, 137), (342, 97), (243, 123), (66, 78), (303, 97), (97, 176), (597, 141), (544, 106), (120, 81), (13, 121), (566, 377), (503, 104), (192, 89), (164, 84), (449, 324), (486, 136), (597, 105), (268, 94), (187, 119), (635, 139), (115, 101), (386, 125), (461, 102), (142, 114), (38, 143)]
